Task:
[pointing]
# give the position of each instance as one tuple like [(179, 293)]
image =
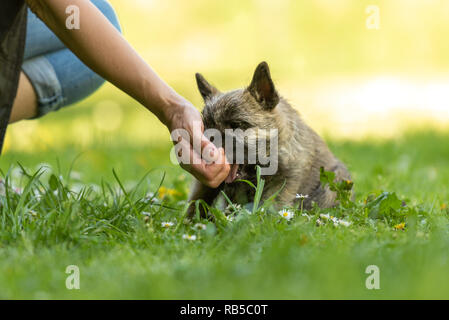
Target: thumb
[(209, 151)]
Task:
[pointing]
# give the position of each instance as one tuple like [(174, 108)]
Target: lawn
[(102, 209)]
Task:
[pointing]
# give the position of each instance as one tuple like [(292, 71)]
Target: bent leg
[(25, 104), (60, 79), (53, 77)]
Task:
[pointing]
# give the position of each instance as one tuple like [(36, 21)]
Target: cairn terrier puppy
[(299, 155)]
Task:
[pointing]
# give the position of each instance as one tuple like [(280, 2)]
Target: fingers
[(210, 174), (210, 153), (198, 155), (222, 167), (207, 150), (198, 139), (200, 143)]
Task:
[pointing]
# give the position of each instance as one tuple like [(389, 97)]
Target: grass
[(102, 209)]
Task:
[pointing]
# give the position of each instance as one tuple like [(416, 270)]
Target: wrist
[(168, 107), (173, 110), (171, 113), (160, 99)]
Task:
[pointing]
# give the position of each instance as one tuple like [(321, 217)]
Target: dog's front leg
[(201, 192)]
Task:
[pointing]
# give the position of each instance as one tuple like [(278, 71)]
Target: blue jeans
[(58, 77)]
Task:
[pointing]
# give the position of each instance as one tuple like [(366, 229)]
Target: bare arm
[(101, 47)]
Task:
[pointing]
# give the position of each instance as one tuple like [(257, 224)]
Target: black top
[(13, 16)]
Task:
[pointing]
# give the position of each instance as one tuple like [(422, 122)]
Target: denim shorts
[(58, 77)]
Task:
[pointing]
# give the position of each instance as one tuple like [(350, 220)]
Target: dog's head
[(249, 108)]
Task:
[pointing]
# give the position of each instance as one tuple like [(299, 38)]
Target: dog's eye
[(239, 125), (233, 125)]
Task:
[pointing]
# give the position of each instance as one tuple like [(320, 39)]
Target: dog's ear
[(206, 89), (262, 87)]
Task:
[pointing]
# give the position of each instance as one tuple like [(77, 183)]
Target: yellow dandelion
[(400, 226), (348, 184), (163, 191)]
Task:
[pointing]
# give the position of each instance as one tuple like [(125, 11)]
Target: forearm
[(101, 47)]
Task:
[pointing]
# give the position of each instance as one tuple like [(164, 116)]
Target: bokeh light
[(107, 115)]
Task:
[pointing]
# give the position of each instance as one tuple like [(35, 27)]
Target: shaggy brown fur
[(301, 151)]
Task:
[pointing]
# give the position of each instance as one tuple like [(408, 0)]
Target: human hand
[(204, 161)]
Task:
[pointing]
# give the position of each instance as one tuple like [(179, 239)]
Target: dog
[(300, 151)]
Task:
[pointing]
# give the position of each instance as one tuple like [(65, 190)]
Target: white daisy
[(335, 220), (200, 226), (345, 223), (302, 196), (189, 237), (328, 217), (286, 214), (149, 195), (167, 224)]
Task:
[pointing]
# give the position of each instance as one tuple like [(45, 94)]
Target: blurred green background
[(347, 79)]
